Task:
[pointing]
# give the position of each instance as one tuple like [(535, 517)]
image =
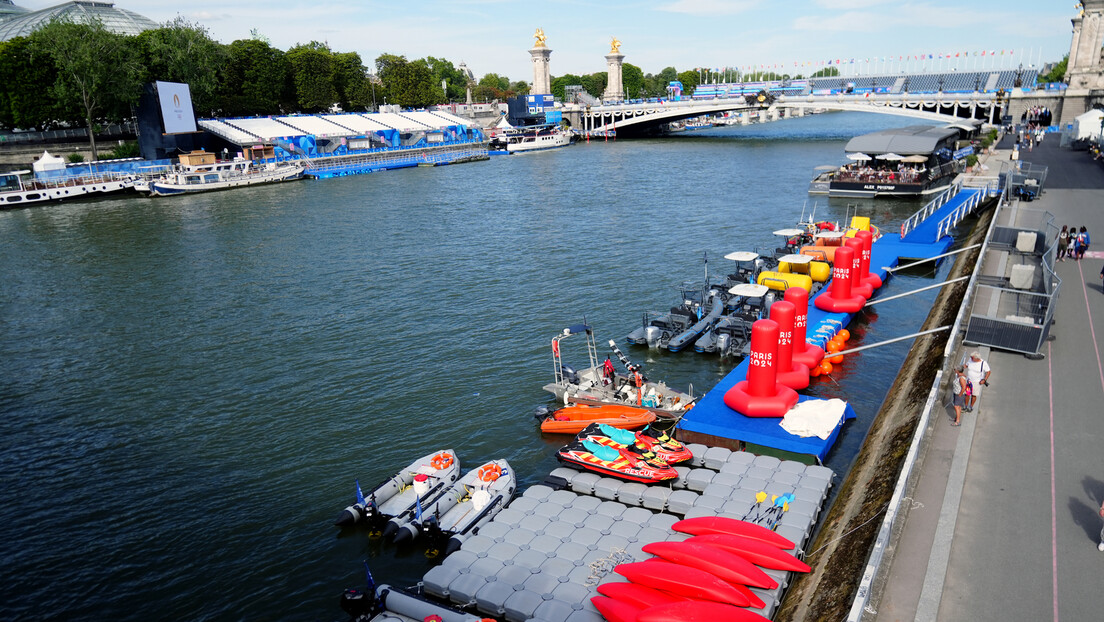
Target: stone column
[(1085, 69), (542, 79), (615, 89)]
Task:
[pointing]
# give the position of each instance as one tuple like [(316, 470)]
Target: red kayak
[(637, 595), (615, 610), (682, 581), (723, 564), (718, 524), (755, 551), (698, 612)]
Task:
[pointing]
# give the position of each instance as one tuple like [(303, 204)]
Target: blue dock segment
[(712, 417), (927, 230)]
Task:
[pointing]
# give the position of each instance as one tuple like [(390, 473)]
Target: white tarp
[(1087, 125), (814, 418), (48, 163)]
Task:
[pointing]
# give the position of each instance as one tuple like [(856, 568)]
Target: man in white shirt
[(977, 372)]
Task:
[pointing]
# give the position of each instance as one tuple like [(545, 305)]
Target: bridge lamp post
[(906, 84), (977, 84), (940, 84)]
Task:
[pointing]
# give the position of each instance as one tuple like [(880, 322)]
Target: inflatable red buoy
[(803, 352), (858, 286), (869, 277), (787, 372), (761, 395), (840, 299)]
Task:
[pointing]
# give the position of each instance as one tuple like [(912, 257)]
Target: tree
[(97, 69), (408, 84), (456, 83), (312, 69), (689, 81), (351, 81), (24, 79), (181, 51), (1058, 73), (492, 86), (632, 79), (827, 72), (559, 83), (520, 88), (255, 80), (595, 83)]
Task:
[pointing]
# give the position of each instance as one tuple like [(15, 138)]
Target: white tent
[(1088, 125), (48, 163)]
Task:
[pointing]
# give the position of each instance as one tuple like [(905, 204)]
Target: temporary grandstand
[(354, 142), (947, 82)]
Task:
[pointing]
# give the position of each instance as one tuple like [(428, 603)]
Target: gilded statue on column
[(615, 45), (539, 36)]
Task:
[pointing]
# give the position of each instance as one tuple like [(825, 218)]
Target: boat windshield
[(9, 182)]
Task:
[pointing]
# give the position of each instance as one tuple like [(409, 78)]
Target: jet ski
[(625, 462), (656, 441)]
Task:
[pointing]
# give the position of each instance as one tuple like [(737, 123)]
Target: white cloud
[(848, 5), (709, 7), (854, 21)]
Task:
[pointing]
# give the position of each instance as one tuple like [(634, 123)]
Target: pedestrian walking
[(958, 389), (977, 373), (1082, 242), (1063, 242), (1100, 547)]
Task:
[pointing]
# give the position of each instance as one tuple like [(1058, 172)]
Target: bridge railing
[(933, 206)]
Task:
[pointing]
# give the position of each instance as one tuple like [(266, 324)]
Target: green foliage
[(559, 83), (971, 160), (181, 51), (408, 83), (493, 86), (632, 79), (255, 80), (128, 149), (97, 69), (827, 72), (456, 82), (25, 81), (689, 81), (312, 69), (75, 158), (595, 83), (354, 91), (1058, 74)]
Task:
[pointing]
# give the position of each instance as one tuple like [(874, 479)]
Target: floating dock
[(544, 556), (714, 423)]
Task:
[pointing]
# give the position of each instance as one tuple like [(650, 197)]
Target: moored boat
[(472, 501), (650, 440), (573, 419), (425, 478), (199, 171), (599, 383), (16, 192)]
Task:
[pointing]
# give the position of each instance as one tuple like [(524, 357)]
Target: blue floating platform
[(712, 422)]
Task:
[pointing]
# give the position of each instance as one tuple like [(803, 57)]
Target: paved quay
[(1002, 523)]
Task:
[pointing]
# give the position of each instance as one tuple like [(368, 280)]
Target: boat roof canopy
[(575, 329), (911, 140), (742, 256)]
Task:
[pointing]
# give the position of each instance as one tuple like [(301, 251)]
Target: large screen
[(176, 107)]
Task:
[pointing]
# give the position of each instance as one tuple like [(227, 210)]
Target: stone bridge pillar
[(542, 79), (1085, 71), (615, 89)]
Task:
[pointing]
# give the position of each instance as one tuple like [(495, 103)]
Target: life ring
[(441, 461), (489, 472), (902, 230)]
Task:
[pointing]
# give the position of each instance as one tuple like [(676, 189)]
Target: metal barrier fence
[(922, 214), (1013, 308)]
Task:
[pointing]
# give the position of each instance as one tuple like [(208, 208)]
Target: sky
[(798, 36)]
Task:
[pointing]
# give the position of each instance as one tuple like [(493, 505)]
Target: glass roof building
[(116, 20), (8, 10)]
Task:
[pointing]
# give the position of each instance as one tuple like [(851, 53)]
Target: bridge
[(932, 97)]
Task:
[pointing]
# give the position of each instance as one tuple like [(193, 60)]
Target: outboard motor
[(768, 300), (724, 340), (570, 374), (542, 412), (651, 335), (360, 605)]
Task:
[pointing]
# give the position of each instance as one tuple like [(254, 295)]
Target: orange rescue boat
[(573, 419)]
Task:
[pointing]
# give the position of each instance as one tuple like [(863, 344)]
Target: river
[(190, 385)]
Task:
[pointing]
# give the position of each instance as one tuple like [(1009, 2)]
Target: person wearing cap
[(977, 372)]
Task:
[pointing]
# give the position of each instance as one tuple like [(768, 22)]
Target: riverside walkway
[(1002, 522)]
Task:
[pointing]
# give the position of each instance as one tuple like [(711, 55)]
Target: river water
[(190, 385)]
